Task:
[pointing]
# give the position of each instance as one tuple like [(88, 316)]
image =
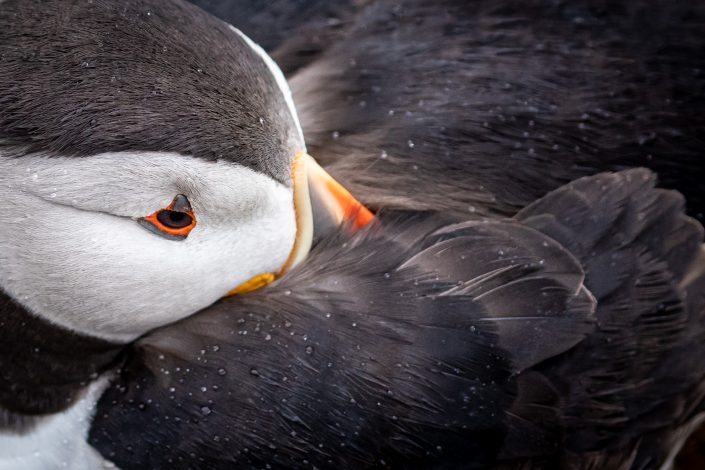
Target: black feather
[(491, 104), (638, 378), (419, 343)]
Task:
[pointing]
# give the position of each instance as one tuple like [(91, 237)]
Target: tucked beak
[(322, 205)]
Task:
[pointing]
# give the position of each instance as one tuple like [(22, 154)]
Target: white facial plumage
[(72, 252)]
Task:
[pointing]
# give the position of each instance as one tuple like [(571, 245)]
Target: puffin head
[(151, 162)]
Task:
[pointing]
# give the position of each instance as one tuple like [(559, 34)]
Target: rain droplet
[(205, 410), (309, 350), (254, 372), (268, 337), (222, 371)]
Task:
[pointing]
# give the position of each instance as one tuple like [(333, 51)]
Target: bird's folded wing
[(424, 341), (640, 375), (379, 342)]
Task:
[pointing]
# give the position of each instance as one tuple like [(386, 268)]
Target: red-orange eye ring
[(174, 222)]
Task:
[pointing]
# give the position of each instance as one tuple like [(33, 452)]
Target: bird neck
[(44, 369)]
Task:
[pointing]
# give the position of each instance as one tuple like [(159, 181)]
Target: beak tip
[(360, 217)]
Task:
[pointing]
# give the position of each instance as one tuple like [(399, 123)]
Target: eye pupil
[(174, 219)]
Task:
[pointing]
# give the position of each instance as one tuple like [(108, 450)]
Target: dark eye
[(173, 219), (174, 222)]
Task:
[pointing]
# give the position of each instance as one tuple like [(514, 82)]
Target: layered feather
[(424, 343)]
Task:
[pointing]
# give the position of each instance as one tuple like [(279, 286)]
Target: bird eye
[(174, 222)]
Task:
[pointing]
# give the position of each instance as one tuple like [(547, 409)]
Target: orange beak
[(322, 205)]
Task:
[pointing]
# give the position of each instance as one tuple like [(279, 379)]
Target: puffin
[(489, 316)]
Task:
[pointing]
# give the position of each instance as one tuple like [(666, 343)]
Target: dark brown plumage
[(567, 337), (492, 103)]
